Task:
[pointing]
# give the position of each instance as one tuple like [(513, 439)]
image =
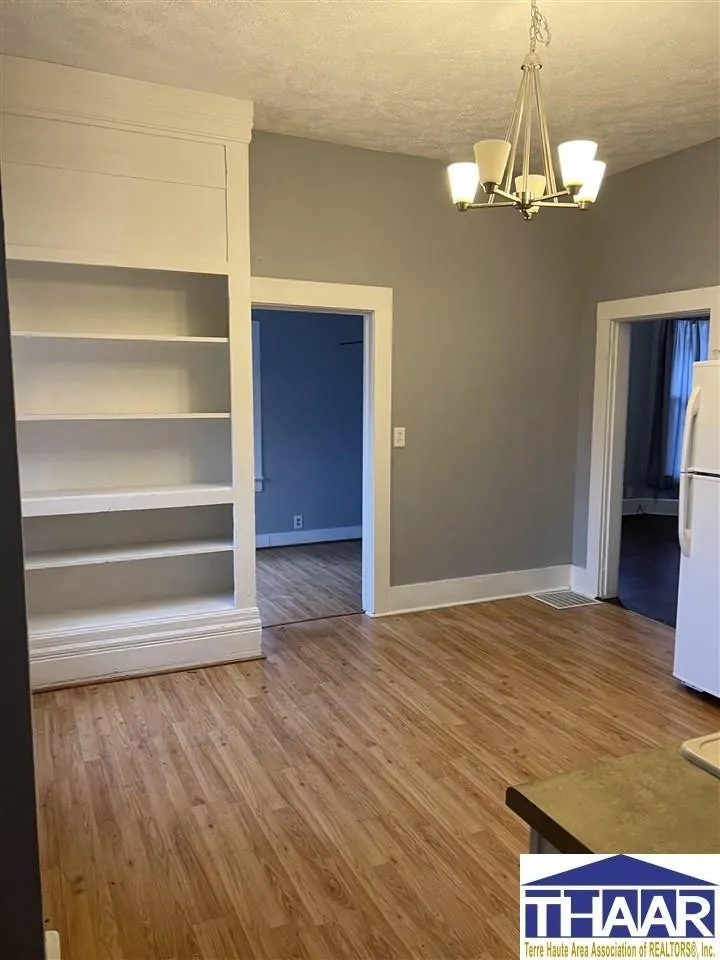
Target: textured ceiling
[(423, 77)]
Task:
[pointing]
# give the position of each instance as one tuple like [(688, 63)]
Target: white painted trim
[(612, 352), (105, 501), (52, 945), (33, 88), (241, 381), (491, 586), (257, 405), (579, 581), (99, 258), (292, 537), (654, 508), (376, 304), (144, 648)]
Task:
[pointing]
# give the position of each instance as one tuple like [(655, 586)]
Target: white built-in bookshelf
[(127, 237), (123, 417)]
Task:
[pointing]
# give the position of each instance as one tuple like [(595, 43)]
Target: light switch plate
[(399, 436)]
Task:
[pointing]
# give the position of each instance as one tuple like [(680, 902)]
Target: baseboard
[(492, 586), (293, 537), (657, 508), (143, 648), (580, 581)]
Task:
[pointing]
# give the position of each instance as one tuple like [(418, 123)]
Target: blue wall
[(312, 411)]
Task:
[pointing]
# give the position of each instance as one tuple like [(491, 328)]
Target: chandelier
[(503, 167)]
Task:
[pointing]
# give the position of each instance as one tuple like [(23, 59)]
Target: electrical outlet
[(399, 436), (298, 521)]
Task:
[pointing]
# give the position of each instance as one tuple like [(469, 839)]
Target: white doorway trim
[(607, 453), (376, 305)]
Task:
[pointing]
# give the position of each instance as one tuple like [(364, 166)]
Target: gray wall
[(486, 340), (657, 229), (312, 420)]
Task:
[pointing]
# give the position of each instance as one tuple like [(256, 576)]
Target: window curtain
[(680, 344)]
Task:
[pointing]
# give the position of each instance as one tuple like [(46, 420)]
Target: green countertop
[(654, 802)]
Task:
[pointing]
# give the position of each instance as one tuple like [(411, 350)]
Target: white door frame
[(376, 305), (607, 456)]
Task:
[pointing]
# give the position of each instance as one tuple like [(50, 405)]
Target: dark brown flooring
[(309, 582), (344, 798), (649, 567)]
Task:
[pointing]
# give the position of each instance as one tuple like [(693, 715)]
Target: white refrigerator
[(697, 636)]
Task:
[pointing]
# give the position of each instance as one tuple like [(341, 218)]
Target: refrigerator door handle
[(691, 413), (684, 528)]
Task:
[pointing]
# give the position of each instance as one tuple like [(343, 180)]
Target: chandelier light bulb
[(463, 179), (491, 157), (575, 159), (591, 186), (535, 185)]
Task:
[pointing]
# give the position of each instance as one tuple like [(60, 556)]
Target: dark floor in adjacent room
[(309, 581), (649, 567)]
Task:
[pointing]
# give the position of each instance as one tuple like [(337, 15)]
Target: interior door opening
[(662, 354), (308, 392)]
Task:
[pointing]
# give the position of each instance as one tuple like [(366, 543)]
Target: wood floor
[(344, 797), (308, 582)]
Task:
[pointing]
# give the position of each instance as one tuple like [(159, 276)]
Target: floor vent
[(563, 599)]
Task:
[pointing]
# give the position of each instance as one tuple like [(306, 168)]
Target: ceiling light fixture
[(495, 160)]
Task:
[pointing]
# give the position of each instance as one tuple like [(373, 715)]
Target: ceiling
[(422, 77)]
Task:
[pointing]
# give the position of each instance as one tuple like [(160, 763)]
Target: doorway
[(308, 429), (662, 354), (600, 575), (374, 306)]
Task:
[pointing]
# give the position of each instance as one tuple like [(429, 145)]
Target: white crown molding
[(129, 650), (32, 88), (492, 586)]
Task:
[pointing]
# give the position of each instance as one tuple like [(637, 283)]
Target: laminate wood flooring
[(343, 798), (309, 582)]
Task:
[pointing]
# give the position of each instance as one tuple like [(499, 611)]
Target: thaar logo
[(619, 897)]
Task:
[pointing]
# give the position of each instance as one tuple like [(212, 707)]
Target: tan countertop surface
[(654, 802)]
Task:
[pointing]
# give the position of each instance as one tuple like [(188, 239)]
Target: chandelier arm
[(513, 198), (546, 198), (545, 138), (513, 134), (517, 110), (483, 206), (555, 205), (528, 134)]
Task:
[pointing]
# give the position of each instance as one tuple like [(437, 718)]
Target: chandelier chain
[(539, 28)]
